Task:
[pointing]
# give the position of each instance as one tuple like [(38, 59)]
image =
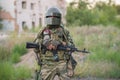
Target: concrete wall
[(7, 14), (28, 16)]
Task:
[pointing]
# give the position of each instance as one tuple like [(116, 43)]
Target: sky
[(116, 1)]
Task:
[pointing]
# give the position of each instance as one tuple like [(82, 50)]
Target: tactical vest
[(54, 35)]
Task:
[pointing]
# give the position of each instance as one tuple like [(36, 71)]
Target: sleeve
[(38, 40)]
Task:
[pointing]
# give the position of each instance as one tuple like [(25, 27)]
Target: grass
[(15, 57), (104, 45), (19, 48), (14, 46), (12, 54), (102, 42), (8, 72), (22, 73), (18, 43), (105, 55), (4, 53), (11, 49), (101, 69)]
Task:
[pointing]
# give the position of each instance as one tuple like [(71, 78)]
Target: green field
[(104, 45), (102, 42)]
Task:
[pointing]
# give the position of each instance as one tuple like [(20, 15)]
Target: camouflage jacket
[(59, 34), (56, 35)]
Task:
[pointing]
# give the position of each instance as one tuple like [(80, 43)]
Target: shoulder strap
[(65, 34), (39, 35)]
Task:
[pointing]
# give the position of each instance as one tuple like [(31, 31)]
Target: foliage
[(118, 9), (104, 45), (17, 51), (117, 22), (19, 48), (99, 71), (22, 73), (12, 47), (15, 57), (8, 72), (102, 13), (105, 54), (106, 12), (4, 53)]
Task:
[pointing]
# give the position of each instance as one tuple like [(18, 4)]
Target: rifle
[(59, 48)]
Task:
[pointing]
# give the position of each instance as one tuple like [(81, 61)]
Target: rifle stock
[(31, 45)]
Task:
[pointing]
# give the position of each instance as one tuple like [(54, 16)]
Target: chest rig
[(55, 35)]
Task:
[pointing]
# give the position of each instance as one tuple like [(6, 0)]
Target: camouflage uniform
[(53, 61), (66, 62)]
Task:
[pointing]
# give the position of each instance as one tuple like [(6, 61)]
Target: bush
[(104, 45), (102, 13), (15, 57), (105, 54), (117, 22), (4, 53), (17, 51), (8, 72), (13, 47), (22, 73), (99, 70), (19, 48)]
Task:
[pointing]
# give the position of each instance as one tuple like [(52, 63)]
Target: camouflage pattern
[(55, 36)]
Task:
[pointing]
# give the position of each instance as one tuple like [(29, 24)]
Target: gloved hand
[(64, 43), (51, 47)]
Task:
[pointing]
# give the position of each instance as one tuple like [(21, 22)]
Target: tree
[(103, 13), (118, 9)]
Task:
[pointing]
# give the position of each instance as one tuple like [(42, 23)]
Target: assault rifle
[(59, 48)]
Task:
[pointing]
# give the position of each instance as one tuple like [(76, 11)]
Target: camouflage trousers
[(64, 67), (50, 69)]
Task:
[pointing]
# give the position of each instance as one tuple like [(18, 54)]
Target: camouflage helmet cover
[(53, 17)]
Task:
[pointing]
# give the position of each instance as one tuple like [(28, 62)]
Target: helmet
[(53, 17)]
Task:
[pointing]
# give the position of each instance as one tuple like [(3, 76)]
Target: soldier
[(51, 37)]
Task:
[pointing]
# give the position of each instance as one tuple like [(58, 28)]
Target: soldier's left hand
[(64, 43), (51, 46)]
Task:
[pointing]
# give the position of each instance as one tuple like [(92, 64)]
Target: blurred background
[(93, 24)]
